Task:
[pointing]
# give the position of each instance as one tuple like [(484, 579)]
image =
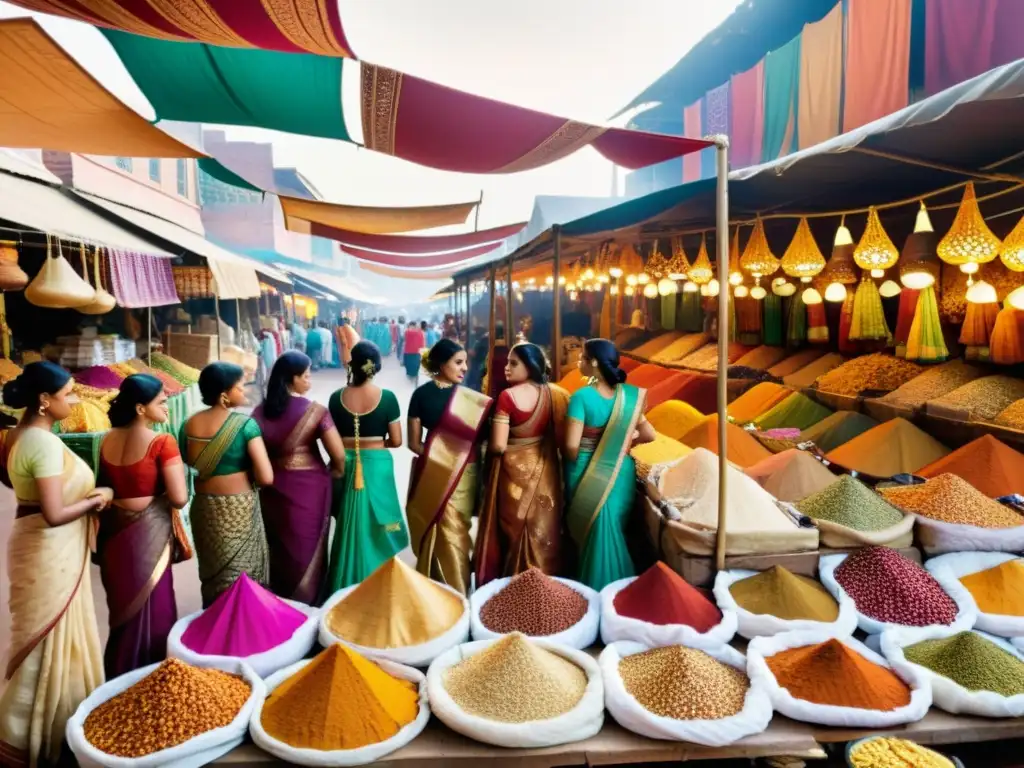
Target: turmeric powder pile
[(998, 590), (340, 700)]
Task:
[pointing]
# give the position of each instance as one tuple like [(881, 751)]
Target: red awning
[(413, 244), (424, 261)]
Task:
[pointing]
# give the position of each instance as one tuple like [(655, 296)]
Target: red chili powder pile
[(661, 596)]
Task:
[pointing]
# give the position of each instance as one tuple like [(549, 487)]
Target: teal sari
[(601, 485)]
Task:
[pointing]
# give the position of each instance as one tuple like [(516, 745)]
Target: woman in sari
[(370, 526), (55, 659), (226, 450), (297, 507), (443, 486), (140, 534), (606, 419), (413, 343), (521, 522)]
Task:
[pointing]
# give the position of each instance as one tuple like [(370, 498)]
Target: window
[(154, 169), (124, 163), (182, 169)]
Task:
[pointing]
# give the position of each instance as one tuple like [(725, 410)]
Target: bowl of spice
[(164, 713), (538, 605), (995, 581), (885, 752), (816, 678), (685, 694), (777, 600), (517, 692), (659, 607), (849, 514), (340, 708), (970, 672)]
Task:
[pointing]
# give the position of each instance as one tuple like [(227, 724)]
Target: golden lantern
[(840, 269), (701, 272), (735, 273), (630, 263), (919, 264), (12, 277), (1012, 252), (803, 257), (657, 264), (757, 258), (969, 241), (875, 252), (679, 265), (741, 292), (651, 291)]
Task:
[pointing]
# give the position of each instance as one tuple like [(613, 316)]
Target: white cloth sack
[(956, 565), (615, 628), (200, 750), (947, 694), (762, 648), (967, 611), (582, 634), (410, 655), (937, 537), (751, 625), (264, 664), (581, 722), (361, 756), (633, 716)]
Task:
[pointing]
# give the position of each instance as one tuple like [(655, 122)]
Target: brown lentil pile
[(515, 681), (878, 371), (174, 703), (684, 683), (982, 399), (535, 604), (952, 499), (934, 382), (1012, 417)]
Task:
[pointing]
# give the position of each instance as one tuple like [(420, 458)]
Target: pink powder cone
[(245, 620)]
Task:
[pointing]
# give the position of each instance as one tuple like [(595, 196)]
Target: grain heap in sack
[(762, 358), (684, 683), (935, 382), (534, 604), (891, 448), (991, 466), (998, 590), (848, 502), (661, 450), (980, 400), (791, 475), (742, 449), (171, 705), (779, 592), (971, 661), (895, 753), (1012, 416), (515, 681), (795, 362), (661, 596), (877, 372), (950, 499), (340, 700)]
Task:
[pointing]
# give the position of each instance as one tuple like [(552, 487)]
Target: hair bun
[(620, 376), (13, 395)]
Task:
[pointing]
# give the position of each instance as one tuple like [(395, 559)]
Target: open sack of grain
[(558, 610), (814, 677), (969, 672), (849, 514), (996, 582), (685, 694), (551, 694)]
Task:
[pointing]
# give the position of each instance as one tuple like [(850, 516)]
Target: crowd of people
[(549, 476)]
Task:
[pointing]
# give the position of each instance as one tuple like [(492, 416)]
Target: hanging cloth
[(925, 343), (746, 117), (1007, 342), (877, 60), (868, 321), (716, 121), (668, 311), (846, 345), (796, 325), (773, 333), (605, 331), (821, 79), (692, 118), (781, 91), (964, 38), (979, 321), (908, 308), (817, 324), (692, 314)]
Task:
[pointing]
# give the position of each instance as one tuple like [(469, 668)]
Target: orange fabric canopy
[(409, 274), (300, 215)]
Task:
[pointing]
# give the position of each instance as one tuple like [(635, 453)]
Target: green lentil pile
[(971, 661), (952, 499), (982, 399), (878, 371), (849, 502), (684, 683)]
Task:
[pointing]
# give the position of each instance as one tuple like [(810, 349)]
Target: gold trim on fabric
[(570, 137), (104, 13), (198, 19), (162, 564), (213, 451), (306, 24), (300, 460), (381, 90)]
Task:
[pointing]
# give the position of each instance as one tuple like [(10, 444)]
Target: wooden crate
[(194, 349)]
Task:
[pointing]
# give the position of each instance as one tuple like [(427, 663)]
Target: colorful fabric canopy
[(141, 280), (407, 274), (964, 38), (781, 95), (311, 26), (413, 244), (692, 122), (821, 79), (302, 215), (746, 120), (877, 60), (455, 259)]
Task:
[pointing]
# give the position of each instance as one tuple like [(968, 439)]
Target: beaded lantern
[(757, 258), (12, 277), (919, 264), (875, 252), (630, 262), (701, 272), (657, 264), (841, 268), (803, 257), (969, 241), (678, 265), (1012, 252), (735, 273)]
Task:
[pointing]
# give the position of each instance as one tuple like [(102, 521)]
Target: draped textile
[(877, 60), (419, 261), (405, 244), (821, 79), (964, 38), (925, 343), (312, 26), (716, 121), (746, 117), (692, 117), (442, 273), (369, 220), (781, 97), (140, 280)]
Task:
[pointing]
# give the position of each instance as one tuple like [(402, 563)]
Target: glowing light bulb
[(889, 288), (835, 292), (811, 297), (757, 292), (650, 290), (877, 273), (615, 272), (643, 278), (982, 293), (631, 280), (735, 278), (690, 287), (713, 287), (741, 292)]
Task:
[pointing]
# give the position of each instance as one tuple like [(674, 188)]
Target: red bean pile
[(888, 587), (534, 604)]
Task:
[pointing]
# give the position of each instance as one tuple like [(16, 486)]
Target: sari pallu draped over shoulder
[(442, 490)]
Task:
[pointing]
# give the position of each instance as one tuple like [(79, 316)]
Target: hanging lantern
[(836, 292), (811, 297), (701, 272), (841, 268), (630, 290), (758, 292), (631, 280), (667, 286), (969, 240), (803, 258), (735, 273), (103, 302), (57, 285), (757, 258), (643, 278), (657, 264), (12, 277), (651, 290), (741, 292), (679, 266), (1012, 252), (691, 287), (889, 289), (919, 264), (1016, 298), (630, 263), (981, 293), (875, 251), (713, 288)]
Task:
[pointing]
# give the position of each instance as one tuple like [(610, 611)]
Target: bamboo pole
[(149, 336), (492, 325), (510, 308), (216, 312), (556, 289), (722, 248)]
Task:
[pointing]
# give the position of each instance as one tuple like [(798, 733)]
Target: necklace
[(442, 384)]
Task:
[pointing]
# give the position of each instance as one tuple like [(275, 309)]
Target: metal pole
[(722, 248), (469, 311), (476, 216), (216, 312), (492, 326), (510, 308), (149, 336), (556, 289)]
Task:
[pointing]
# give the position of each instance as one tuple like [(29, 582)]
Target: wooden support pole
[(722, 249), (216, 312), (556, 289), (510, 308)]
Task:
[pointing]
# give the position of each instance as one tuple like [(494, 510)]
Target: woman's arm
[(573, 437), (415, 432), (394, 437), (335, 449), (262, 471), (51, 502), (499, 436), (645, 433), (174, 481)]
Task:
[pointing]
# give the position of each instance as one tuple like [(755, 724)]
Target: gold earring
[(42, 410)]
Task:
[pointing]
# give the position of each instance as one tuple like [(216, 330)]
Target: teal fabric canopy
[(781, 91), (198, 83)]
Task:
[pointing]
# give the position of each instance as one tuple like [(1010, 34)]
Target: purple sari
[(297, 507)]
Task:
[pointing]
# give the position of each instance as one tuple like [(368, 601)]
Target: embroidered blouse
[(143, 477), (236, 456), (371, 425), (429, 403)]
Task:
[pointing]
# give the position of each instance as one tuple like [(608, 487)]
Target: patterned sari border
[(381, 91)]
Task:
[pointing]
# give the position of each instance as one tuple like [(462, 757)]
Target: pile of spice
[(877, 372), (661, 596), (795, 362), (762, 358), (742, 449), (706, 358), (888, 587), (244, 620), (980, 400), (998, 590), (849, 502), (797, 411), (393, 608), (684, 683), (535, 604), (674, 418), (991, 466), (791, 475), (340, 700), (651, 347), (779, 592), (833, 674), (1012, 416), (661, 450), (952, 499), (935, 382), (835, 430), (810, 373), (515, 681), (172, 704), (896, 753), (893, 447), (681, 347), (972, 662), (756, 400)]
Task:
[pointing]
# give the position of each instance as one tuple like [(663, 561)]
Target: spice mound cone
[(741, 449), (393, 608), (244, 620), (535, 604), (991, 466), (791, 475), (172, 704), (832, 673), (779, 592), (674, 418), (756, 400), (849, 502), (970, 660), (340, 700), (661, 596), (892, 447), (952, 499), (515, 681), (839, 428), (998, 590)]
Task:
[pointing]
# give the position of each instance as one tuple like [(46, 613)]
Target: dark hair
[(289, 365), (532, 356), (138, 389), (216, 379), (362, 353), (439, 354), (604, 353), (423, 325), (42, 378)]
